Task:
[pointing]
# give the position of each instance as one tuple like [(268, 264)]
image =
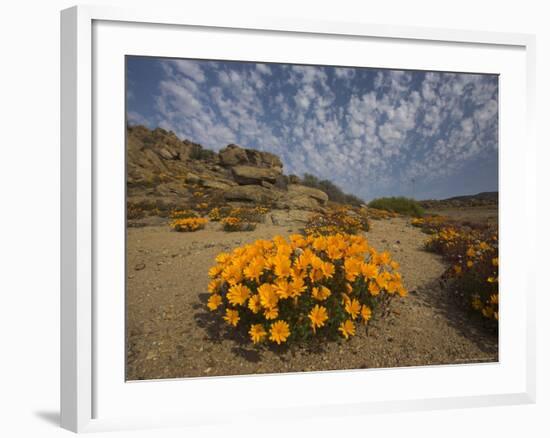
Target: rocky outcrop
[(287, 218), (233, 155), (254, 175), (297, 190), (250, 193), (178, 174)]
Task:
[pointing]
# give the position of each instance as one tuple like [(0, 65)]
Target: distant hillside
[(478, 200)]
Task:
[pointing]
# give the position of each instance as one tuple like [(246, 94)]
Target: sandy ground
[(170, 332), (487, 214)]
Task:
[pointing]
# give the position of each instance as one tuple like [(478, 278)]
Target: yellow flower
[(233, 273), (279, 331), (385, 258), (282, 265), (223, 257), (214, 285), (374, 289), (238, 294), (320, 243), (271, 313), (483, 246), (257, 333), (328, 269), (476, 303), (369, 270), (297, 241), (353, 307), (492, 280), (495, 261), (268, 296), (347, 328), (316, 275), (254, 303), (352, 267), (214, 301), (471, 252), (304, 260), (469, 263), (320, 293), (214, 271), (393, 286), (402, 291), (334, 253), (282, 288), (487, 312), (297, 286), (300, 264), (383, 279), (231, 316), (254, 270), (458, 269), (493, 299), (318, 316), (394, 265), (366, 313)]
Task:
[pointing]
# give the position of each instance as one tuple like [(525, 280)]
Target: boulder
[(300, 202), (296, 190), (254, 175), (168, 153), (232, 155), (251, 193), (151, 160), (217, 184), (191, 178), (264, 159), (282, 182), (287, 218)]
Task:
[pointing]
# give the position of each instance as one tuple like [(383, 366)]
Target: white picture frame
[(83, 381)]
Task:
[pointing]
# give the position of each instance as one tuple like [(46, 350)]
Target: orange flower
[(279, 331), (353, 307), (318, 316), (320, 293), (232, 316), (238, 294), (366, 313), (214, 301), (347, 328)]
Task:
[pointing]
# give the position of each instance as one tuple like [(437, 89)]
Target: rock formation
[(165, 173)]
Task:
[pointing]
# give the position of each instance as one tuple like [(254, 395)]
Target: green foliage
[(199, 153), (335, 193), (399, 204)]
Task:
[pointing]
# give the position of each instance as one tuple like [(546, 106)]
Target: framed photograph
[(268, 217)]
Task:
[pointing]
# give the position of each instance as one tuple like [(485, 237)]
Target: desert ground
[(171, 333), (481, 214)]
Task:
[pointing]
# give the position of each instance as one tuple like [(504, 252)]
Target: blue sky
[(373, 132)]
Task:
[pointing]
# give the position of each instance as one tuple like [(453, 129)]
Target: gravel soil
[(171, 333)]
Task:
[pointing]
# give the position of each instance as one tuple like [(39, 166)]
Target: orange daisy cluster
[(292, 289)]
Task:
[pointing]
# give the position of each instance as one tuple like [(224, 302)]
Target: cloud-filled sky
[(373, 132)]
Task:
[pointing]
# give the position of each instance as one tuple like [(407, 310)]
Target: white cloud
[(136, 118), (189, 68), (263, 68), (409, 125)]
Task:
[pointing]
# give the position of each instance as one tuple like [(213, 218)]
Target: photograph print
[(293, 218)]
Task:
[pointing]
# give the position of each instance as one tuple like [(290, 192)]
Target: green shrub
[(199, 153), (334, 193), (399, 204)]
